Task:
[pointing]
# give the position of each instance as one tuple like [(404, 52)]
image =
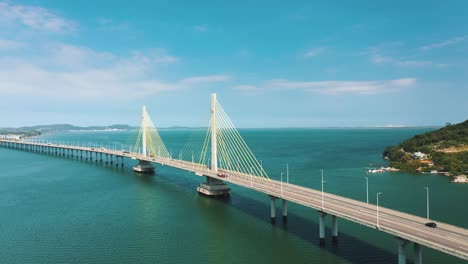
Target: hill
[(68, 127), (445, 149)]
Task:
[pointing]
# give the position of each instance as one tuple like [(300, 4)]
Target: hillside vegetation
[(446, 147)]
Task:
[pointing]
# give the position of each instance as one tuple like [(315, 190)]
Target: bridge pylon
[(144, 166), (214, 186)]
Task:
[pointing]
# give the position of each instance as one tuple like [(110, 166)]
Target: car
[(102, 149), (124, 151), (222, 175), (431, 224)]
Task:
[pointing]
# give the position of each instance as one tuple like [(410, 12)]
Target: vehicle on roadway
[(431, 224), (222, 175)]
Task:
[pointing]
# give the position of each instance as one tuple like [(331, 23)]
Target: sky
[(271, 63)]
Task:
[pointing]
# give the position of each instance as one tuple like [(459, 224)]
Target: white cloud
[(34, 17), (313, 52), (72, 72), (201, 28), (379, 59), (444, 43), (344, 87), (6, 44), (248, 89), (205, 79)]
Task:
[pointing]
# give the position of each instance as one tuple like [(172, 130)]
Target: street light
[(427, 202), (287, 173), (378, 226), (367, 189), (282, 185), (322, 188)]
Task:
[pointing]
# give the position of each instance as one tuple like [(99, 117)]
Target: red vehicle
[(222, 175)]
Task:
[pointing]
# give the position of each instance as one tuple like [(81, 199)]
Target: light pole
[(427, 202), (378, 226), (322, 188), (251, 175), (367, 189), (287, 173), (282, 185)]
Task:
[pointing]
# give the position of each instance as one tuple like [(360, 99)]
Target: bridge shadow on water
[(355, 250), (348, 247)]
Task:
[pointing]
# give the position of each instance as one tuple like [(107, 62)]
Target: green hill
[(447, 147)]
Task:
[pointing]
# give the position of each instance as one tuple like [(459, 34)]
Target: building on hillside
[(426, 163), (419, 155), (10, 137)]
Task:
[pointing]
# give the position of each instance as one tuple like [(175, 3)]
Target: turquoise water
[(60, 210)]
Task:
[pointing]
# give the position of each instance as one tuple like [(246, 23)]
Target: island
[(443, 151)]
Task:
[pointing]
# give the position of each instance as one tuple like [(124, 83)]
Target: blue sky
[(272, 64)]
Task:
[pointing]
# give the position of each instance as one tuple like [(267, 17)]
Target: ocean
[(62, 210)]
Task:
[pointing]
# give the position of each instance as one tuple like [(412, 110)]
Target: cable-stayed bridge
[(223, 157)]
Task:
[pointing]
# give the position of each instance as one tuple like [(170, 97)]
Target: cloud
[(344, 87), (444, 43), (34, 17), (248, 89), (74, 73), (201, 28), (379, 59), (6, 44), (205, 79), (313, 52)]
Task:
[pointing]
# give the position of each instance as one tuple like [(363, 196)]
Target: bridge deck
[(447, 238)]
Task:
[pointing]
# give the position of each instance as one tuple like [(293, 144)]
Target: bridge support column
[(417, 253), (214, 187), (401, 250), (142, 167), (273, 209), (334, 229), (285, 210), (322, 227)]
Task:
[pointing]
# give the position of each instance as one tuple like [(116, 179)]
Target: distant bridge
[(224, 157)]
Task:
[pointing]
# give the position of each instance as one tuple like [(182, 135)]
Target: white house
[(419, 155)]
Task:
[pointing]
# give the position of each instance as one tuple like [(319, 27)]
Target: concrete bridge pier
[(334, 229), (273, 209), (401, 250), (143, 167), (285, 210), (214, 187), (417, 253), (322, 227)]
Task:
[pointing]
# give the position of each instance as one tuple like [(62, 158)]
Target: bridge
[(224, 158)]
